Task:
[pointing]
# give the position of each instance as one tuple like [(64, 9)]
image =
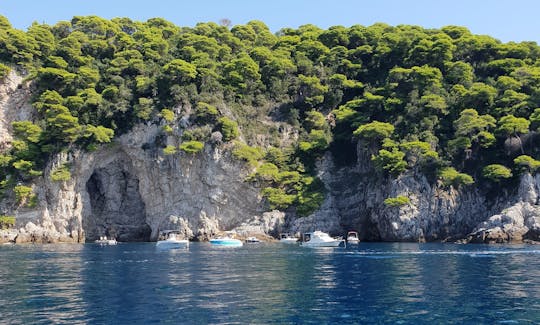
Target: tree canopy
[(439, 100)]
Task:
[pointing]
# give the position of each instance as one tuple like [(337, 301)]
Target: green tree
[(496, 172), (527, 163), (450, 176), (228, 128), (192, 147), (510, 125)]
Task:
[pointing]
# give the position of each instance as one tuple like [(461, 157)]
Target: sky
[(515, 20)]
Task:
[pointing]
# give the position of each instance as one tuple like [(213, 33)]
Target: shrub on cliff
[(277, 198), (25, 195), (247, 153), (496, 172), (450, 176), (527, 163), (61, 174), (397, 201), (169, 150), (228, 128), (192, 147), (6, 222), (4, 70)]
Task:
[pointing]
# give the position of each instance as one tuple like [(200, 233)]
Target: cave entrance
[(117, 209)]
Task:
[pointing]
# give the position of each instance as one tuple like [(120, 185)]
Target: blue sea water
[(270, 284)]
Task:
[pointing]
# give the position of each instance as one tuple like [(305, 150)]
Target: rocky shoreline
[(130, 191)]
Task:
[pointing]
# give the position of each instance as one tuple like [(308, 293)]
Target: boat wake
[(470, 253)]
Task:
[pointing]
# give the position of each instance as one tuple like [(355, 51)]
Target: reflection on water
[(270, 283), (41, 283)]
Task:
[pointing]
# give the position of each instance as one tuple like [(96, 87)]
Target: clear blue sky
[(516, 20)]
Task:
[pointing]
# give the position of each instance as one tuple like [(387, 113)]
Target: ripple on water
[(370, 283)]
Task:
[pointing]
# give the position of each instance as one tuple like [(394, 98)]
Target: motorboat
[(168, 239), (320, 239), (352, 237), (253, 240), (226, 241), (103, 240), (287, 239)]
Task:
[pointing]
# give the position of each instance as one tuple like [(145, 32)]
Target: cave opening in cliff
[(116, 208)]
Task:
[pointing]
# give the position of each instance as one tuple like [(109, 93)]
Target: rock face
[(518, 222), (131, 193), (355, 201), (130, 190), (14, 105)]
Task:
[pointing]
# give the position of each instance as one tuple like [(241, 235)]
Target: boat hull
[(170, 244), (336, 243), (106, 242), (227, 242), (288, 240)]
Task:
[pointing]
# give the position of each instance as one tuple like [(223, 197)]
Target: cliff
[(129, 190), (355, 200)]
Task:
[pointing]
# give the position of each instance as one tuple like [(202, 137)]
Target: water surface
[(270, 283)]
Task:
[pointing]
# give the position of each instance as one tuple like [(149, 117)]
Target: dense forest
[(461, 109)]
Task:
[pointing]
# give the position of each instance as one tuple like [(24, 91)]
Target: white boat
[(287, 239), (226, 241), (320, 239), (168, 239), (103, 240), (352, 237), (253, 240)]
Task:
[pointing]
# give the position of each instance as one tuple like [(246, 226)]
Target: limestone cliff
[(130, 190), (355, 200)]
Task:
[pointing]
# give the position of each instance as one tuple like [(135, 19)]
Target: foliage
[(228, 128), (390, 161), (496, 172), (4, 70), (169, 150), (450, 176), (24, 195), (310, 197), (528, 163), (397, 201), (247, 153), (191, 147), (206, 113), (61, 174), (417, 98), (375, 130), (167, 115), (267, 172), (6, 222), (277, 198)]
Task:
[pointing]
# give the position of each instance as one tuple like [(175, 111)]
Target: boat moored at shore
[(320, 239), (226, 241), (352, 237), (103, 240), (287, 238), (168, 239)]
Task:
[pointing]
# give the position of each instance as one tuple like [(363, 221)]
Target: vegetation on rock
[(443, 101), (397, 201)]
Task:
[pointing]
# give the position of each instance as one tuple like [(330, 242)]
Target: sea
[(270, 283)]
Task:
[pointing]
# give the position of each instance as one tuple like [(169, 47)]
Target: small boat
[(168, 239), (320, 239), (352, 237), (287, 238), (253, 240), (226, 241), (103, 240)]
